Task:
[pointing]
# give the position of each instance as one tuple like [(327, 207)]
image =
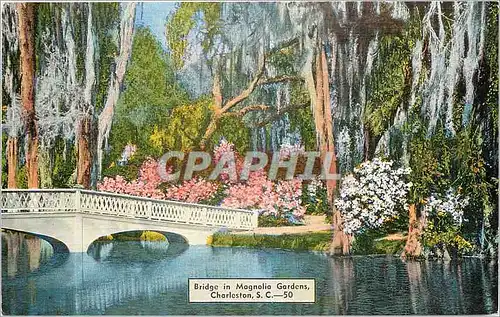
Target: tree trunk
[(84, 153), (84, 129), (11, 162), (26, 13), (413, 248), (341, 242)]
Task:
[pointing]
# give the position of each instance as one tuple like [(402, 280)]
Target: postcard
[(249, 158)]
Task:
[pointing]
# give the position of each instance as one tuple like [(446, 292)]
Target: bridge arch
[(57, 245)]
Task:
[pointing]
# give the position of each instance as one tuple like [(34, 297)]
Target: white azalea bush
[(451, 205), (445, 215), (374, 193)]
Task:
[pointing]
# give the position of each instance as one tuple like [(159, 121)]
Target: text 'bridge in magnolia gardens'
[(78, 217)]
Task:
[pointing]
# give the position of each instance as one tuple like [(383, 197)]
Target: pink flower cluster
[(249, 194), (192, 191), (225, 150), (258, 192), (222, 149), (146, 185)]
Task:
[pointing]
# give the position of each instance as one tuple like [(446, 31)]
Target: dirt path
[(312, 223)]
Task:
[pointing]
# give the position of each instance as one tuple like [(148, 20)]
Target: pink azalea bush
[(249, 194), (192, 191), (146, 185), (276, 198), (258, 192), (225, 150)]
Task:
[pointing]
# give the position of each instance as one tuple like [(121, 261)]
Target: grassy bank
[(135, 236), (313, 241), (374, 242)]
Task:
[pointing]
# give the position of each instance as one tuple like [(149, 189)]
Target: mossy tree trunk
[(26, 14), (84, 162), (318, 85)]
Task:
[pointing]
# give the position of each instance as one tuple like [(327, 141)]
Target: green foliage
[(440, 162), (388, 86), (22, 177), (440, 233), (109, 237), (4, 158), (150, 92), (473, 180), (234, 130), (430, 160), (64, 165), (317, 241), (284, 61), (491, 57), (184, 129), (106, 19), (130, 171), (135, 236), (302, 119), (149, 85), (186, 17)]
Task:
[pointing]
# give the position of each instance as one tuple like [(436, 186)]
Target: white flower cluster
[(372, 194), (287, 150), (452, 204), (313, 187)]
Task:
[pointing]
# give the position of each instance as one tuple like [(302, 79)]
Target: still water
[(151, 278)]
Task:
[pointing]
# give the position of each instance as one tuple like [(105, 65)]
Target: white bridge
[(78, 217)]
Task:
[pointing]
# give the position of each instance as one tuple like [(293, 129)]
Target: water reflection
[(139, 251), (151, 278), (22, 253)]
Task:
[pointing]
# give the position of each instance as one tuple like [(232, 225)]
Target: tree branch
[(245, 93), (279, 79), (257, 79), (245, 110), (279, 113)]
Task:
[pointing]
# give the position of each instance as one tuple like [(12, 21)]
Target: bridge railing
[(94, 202)]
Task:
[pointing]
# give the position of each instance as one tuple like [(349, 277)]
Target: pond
[(150, 278)]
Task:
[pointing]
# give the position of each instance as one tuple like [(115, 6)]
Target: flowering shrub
[(314, 197), (249, 194), (194, 190), (225, 150), (258, 192), (450, 206), (146, 184), (373, 194), (444, 214)]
